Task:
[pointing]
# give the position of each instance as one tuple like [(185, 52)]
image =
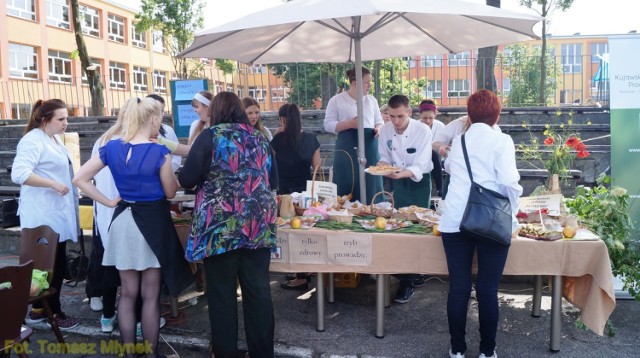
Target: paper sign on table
[(323, 189), (306, 248), (281, 251), (534, 203), (352, 250)]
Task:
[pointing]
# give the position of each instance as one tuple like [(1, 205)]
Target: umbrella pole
[(362, 159)]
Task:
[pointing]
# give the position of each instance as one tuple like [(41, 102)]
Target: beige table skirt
[(584, 265)]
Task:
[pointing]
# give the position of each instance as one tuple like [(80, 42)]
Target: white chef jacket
[(409, 150), (38, 154), (492, 156), (436, 127), (454, 128), (170, 134), (342, 107)]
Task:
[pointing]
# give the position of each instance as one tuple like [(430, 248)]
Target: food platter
[(428, 216), (306, 222), (392, 224), (382, 169)]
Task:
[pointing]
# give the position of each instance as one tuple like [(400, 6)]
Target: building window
[(58, 13), (229, 88), (434, 89), (23, 61), (240, 92), (570, 96), (140, 79), (98, 65), (459, 59), (20, 110), (25, 9), (205, 61), (218, 87), (159, 81), (138, 39), (572, 58), (158, 42), (411, 61), (91, 20), (506, 86), (506, 58), (257, 69), (431, 61), (458, 88), (279, 94), (116, 28), (59, 66), (117, 75), (257, 93), (598, 49)]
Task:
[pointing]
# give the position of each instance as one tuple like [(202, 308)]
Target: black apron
[(343, 177), (153, 218)]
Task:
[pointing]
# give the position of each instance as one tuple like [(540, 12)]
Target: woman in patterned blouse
[(233, 226)]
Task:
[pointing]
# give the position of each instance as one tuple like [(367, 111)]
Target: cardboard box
[(86, 217), (344, 279)]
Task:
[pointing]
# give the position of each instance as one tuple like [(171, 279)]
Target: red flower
[(572, 142), (583, 154), (581, 147), (548, 141)]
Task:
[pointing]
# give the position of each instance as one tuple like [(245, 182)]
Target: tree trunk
[(328, 84), (93, 77), (542, 98), (486, 61)]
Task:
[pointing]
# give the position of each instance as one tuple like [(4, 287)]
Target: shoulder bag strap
[(466, 158)]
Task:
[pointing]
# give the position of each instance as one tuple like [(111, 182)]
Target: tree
[(486, 61), (178, 20), (523, 70), (88, 68), (546, 8), (393, 81)]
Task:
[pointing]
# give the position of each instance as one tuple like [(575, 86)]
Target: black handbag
[(488, 213)]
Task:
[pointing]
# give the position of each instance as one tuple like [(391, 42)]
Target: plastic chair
[(40, 244), (14, 299)]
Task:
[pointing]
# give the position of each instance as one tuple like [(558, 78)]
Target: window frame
[(138, 40), (594, 50), (454, 92), (98, 64), (90, 21), (14, 11), (62, 58), (571, 58), (140, 78), (159, 81), (254, 90), (121, 75), (58, 22), (158, 42), (427, 61), (460, 59), (435, 91), (13, 55), (112, 19)]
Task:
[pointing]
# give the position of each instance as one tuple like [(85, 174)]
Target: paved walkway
[(415, 329)]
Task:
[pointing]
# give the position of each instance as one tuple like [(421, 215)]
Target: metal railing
[(448, 81)]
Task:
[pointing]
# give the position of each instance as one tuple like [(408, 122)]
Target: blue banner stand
[(182, 92)]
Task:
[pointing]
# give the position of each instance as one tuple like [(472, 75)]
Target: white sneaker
[(457, 355), (96, 304), (495, 355), (108, 324), (139, 326)]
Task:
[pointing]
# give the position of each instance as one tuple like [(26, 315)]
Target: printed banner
[(346, 249), (307, 248)]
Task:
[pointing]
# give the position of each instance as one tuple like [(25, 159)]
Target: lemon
[(296, 223)]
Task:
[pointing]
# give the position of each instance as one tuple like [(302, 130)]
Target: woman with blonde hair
[(42, 167), (252, 109), (143, 244), (201, 104)]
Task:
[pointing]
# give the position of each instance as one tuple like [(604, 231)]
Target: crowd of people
[(237, 167)]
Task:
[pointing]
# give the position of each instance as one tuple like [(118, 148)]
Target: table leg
[(380, 300), (556, 311), (387, 289), (320, 302), (331, 287), (537, 296), (173, 302)]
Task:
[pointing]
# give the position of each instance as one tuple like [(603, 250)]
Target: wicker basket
[(386, 213)]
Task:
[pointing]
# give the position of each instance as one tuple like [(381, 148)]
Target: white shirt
[(106, 185), (342, 107), (436, 127), (410, 150), (492, 156), (39, 154), (170, 134), (454, 128)]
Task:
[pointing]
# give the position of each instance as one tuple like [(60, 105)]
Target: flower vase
[(554, 184)]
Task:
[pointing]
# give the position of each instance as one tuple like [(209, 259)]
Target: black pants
[(56, 280), (251, 268), (102, 281)]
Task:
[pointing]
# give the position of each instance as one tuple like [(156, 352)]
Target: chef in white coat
[(43, 168)]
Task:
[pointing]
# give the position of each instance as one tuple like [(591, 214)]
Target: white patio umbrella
[(360, 30)]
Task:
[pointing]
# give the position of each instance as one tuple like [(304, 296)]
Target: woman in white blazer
[(43, 168)]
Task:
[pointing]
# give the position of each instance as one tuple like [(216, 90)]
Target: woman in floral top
[(233, 226)]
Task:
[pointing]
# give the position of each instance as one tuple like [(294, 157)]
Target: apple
[(569, 232), (381, 223), (435, 230), (296, 223)]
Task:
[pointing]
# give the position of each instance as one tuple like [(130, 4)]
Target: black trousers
[(56, 280), (102, 281), (251, 268)]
